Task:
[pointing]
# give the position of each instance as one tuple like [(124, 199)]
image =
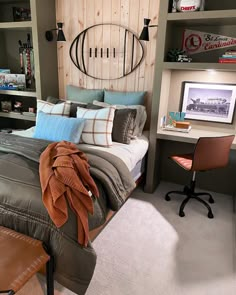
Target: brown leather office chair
[(209, 153)]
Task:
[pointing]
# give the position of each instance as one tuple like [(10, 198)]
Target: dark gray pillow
[(123, 123), (54, 100), (73, 108)]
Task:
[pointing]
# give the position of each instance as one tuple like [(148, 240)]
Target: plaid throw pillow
[(62, 109), (98, 125)]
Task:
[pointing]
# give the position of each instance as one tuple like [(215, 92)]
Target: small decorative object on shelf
[(6, 106), (184, 58), (187, 5), (228, 57), (18, 107), (21, 14), (178, 55), (173, 54)]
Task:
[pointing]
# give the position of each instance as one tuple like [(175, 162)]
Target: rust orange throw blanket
[(64, 176)]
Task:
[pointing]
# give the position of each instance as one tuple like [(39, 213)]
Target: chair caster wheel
[(167, 198), (210, 215), (181, 214), (211, 200)]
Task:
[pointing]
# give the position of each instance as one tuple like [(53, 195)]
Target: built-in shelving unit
[(13, 115), (209, 18), (198, 66), (16, 25), (45, 56), (18, 93), (219, 17)]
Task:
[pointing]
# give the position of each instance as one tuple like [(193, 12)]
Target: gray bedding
[(21, 206)]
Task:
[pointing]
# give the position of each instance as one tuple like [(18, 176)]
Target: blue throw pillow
[(75, 93), (57, 128), (124, 98)]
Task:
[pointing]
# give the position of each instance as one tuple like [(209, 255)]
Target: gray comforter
[(21, 206)]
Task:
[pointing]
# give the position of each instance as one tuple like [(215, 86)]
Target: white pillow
[(62, 109), (140, 118), (98, 125)]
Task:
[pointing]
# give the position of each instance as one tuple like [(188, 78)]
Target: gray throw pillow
[(54, 100), (73, 108), (123, 125)]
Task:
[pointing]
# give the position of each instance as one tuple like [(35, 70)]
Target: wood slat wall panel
[(80, 14)]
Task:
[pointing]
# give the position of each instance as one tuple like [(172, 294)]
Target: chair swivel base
[(191, 194)]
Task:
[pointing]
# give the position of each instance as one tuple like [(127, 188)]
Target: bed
[(115, 171)]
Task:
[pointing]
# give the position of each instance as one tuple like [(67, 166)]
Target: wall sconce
[(145, 33), (60, 34)]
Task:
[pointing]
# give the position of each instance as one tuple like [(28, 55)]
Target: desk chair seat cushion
[(185, 161)]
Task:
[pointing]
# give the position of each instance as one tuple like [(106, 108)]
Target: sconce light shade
[(60, 34), (145, 32)]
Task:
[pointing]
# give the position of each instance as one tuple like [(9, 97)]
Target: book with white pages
[(172, 128)]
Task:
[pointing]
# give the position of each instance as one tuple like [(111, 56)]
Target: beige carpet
[(148, 249)]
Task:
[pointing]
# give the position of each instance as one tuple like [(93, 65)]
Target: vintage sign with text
[(196, 41)]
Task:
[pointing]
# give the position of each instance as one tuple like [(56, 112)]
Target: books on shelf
[(172, 128), (227, 60), (228, 57)]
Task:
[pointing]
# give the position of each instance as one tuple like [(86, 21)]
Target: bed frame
[(95, 232)]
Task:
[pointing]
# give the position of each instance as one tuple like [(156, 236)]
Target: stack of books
[(228, 57)]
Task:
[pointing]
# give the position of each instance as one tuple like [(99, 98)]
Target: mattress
[(132, 154)]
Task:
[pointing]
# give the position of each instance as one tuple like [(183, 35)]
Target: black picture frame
[(212, 102)]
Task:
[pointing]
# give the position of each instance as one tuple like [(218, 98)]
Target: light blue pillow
[(124, 98), (76, 93), (57, 128)]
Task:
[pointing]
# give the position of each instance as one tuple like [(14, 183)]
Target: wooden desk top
[(192, 136)]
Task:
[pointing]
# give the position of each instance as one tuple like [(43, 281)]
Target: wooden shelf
[(206, 18), (16, 25), (19, 93), (190, 66), (17, 116)]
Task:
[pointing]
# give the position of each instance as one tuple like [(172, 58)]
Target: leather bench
[(20, 258)]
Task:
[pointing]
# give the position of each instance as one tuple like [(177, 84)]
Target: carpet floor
[(148, 249)]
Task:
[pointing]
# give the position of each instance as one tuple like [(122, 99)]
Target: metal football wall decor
[(106, 51)]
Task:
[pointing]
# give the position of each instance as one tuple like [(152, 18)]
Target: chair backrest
[(211, 152)]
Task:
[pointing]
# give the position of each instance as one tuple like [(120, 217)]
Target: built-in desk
[(190, 137), (173, 142)]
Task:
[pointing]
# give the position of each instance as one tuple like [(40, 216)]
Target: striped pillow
[(98, 125), (62, 109)]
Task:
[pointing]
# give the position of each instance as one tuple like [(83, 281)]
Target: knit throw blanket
[(65, 179)]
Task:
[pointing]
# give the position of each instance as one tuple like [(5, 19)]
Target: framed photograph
[(213, 102)]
